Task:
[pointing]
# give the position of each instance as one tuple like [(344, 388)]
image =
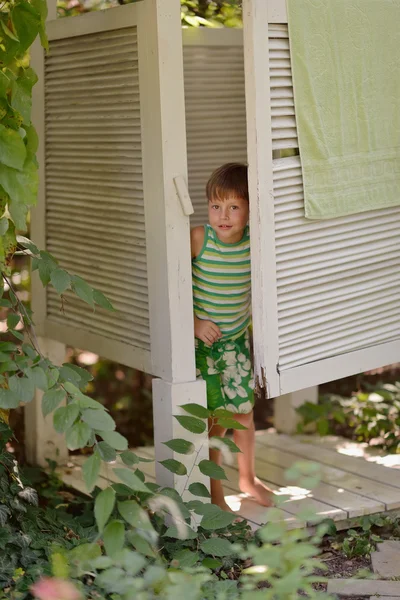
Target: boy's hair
[(231, 178)]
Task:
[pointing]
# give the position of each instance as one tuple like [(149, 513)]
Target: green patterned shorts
[(226, 369)]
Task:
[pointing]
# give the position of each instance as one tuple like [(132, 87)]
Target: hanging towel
[(345, 58)]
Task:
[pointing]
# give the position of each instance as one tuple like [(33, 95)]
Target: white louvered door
[(215, 107), (107, 179), (326, 294)]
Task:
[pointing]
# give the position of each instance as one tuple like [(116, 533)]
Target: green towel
[(346, 77)]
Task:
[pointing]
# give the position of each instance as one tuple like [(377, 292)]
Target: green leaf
[(134, 514), (211, 563), (172, 532), (64, 417), (228, 442), (3, 225), (113, 537), (21, 186), (8, 32), (52, 376), (22, 388), (45, 270), (216, 518), (211, 469), (12, 148), (102, 301), (90, 470), (51, 400), (114, 439), (26, 21), (67, 373), (85, 401), (129, 458), (83, 290), (192, 424), (140, 544), (217, 547), (231, 424), (106, 453), (174, 466), (186, 558), (103, 507), (78, 436), (29, 351), (27, 243), (8, 399), (98, 419), (196, 410), (84, 375), (180, 446), (13, 320), (39, 378), (131, 480), (60, 280), (199, 489)]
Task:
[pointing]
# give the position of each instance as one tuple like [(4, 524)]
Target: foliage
[(144, 544), (28, 531), (195, 13), (366, 416), (362, 539)]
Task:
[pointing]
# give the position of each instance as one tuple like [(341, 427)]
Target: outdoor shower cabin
[(131, 124)]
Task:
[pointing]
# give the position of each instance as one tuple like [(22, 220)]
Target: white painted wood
[(339, 366), (259, 148), (381, 493), (201, 36), (167, 400), (38, 213), (164, 158), (286, 418), (51, 10), (277, 11), (326, 456), (183, 195), (41, 439), (123, 353), (93, 22)]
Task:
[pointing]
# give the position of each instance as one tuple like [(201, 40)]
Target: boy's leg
[(248, 482), (217, 492)]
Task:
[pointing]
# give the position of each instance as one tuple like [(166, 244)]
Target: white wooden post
[(167, 232), (41, 439), (285, 415)]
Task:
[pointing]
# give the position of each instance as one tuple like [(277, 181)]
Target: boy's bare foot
[(258, 490)]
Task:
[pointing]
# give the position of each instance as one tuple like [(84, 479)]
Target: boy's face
[(228, 218)]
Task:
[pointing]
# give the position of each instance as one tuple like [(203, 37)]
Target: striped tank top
[(222, 283)]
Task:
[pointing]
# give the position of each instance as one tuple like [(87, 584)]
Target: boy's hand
[(207, 331)]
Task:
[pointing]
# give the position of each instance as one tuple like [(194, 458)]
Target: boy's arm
[(196, 240)]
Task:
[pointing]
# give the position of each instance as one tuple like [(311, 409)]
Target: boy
[(222, 307)]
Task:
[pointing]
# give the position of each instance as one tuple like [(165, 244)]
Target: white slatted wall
[(94, 183), (338, 280), (215, 107), (329, 291)]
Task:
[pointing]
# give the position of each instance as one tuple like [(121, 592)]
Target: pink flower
[(50, 588)]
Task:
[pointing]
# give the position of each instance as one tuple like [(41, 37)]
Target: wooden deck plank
[(380, 492), (292, 506), (326, 456), (328, 501), (331, 496), (297, 501)]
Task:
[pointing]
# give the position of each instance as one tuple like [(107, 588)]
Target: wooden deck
[(356, 481)]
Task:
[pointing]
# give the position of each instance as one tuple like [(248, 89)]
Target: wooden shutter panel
[(94, 181), (107, 116), (329, 292), (215, 107)]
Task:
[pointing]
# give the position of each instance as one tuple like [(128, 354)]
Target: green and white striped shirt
[(222, 283)]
